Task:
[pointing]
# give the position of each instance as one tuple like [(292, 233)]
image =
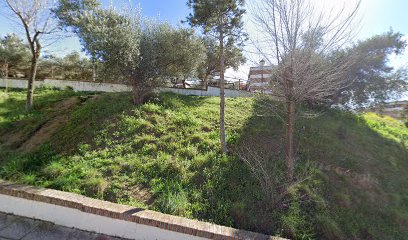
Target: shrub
[(94, 187), (151, 108), (53, 170), (69, 89), (172, 198)]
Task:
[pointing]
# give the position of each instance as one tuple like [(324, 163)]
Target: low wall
[(88, 86), (62, 84), (18, 83), (79, 86), (73, 210)]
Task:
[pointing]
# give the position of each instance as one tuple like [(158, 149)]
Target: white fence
[(113, 87)]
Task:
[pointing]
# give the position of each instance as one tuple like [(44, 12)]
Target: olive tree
[(211, 66), (146, 52), (185, 53), (13, 54)]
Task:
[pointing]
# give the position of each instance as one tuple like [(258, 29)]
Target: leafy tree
[(165, 53), (146, 52), (75, 67), (107, 36), (72, 67), (13, 54), (371, 79), (188, 53), (233, 58), (49, 66), (35, 17), (74, 16), (223, 19)]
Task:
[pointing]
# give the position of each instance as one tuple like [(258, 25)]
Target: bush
[(54, 170), (69, 89), (172, 198), (94, 186)]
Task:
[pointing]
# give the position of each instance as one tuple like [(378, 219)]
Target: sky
[(376, 17)]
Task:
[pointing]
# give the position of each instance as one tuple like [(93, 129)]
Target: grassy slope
[(164, 155)]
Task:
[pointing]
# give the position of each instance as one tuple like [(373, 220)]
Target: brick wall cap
[(127, 213)]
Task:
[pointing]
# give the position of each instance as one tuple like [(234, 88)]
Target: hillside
[(164, 155)]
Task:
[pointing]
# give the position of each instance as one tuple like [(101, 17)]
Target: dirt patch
[(13, 140), (46, 130), (67, 104), (142, 194), (43, 134)]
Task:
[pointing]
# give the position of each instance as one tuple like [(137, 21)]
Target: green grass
[(165, 156)]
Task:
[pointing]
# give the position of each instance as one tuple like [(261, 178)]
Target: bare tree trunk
[(137, 98), (6, 77), (139, 93), (205, 82), (289, 161), (222, 94), (93, 71), (31, 80), (289, 148)]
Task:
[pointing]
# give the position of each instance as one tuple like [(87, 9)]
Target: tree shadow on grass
[(358, 171)]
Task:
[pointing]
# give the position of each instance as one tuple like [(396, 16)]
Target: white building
[(259, 78)]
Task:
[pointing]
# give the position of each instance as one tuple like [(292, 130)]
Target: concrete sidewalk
[(16, 228)]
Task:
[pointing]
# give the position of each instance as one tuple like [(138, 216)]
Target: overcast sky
[(377, 16)]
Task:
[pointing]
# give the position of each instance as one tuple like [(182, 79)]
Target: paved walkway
[(16, 228)]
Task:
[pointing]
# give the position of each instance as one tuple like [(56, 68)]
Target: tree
[(73, 15), (145, 52), (49, 66), (35, 17), (73, 66), (13, 53), (371, 79), (405, 115), (301, 41), (233, 58), (108, 36), (223, 19), (189, 54), (165, 53)]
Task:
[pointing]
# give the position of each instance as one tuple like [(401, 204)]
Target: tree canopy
[(371, 78), (233, 58), (145, 51), (14, 54)]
